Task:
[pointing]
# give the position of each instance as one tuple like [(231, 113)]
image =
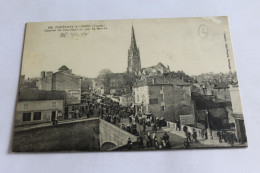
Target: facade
[(117, 85), (162, 99), (158, 69), (126, 100), (211, 111), (36, 106), (134, 61), (222, 92), (63, 80)]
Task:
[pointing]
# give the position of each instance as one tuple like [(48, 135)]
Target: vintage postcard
[(120, 85)]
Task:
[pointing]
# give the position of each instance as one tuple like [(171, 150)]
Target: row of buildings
[(53, 95)]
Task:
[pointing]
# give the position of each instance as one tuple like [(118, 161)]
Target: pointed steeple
[(133, 41), (134, 62)]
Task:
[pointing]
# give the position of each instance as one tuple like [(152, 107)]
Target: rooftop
[(63, 68)]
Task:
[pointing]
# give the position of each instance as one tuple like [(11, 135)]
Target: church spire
[(133, 41), (134, 62)]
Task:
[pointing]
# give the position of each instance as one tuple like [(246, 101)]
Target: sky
[(194, 45)]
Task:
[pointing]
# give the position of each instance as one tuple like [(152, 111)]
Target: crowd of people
[(227, 137), (112, 112), (190, 137)]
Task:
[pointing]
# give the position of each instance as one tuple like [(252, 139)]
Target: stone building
[(39, 106), (162, 98), (118, 84), (64, 80), (126, 100), (221, 91), (211, 111), (158, 69)]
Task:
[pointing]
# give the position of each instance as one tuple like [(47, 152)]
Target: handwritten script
[(74, 31)]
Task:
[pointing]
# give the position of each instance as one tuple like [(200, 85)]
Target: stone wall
[(110, 133), (81, 135), (73, 136)]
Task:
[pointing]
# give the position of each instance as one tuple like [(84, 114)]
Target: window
[(27, 116), (162, 97), (143, 98), (37, 116), (153, 101), (161, 87), (25, 106), (137, 98), (183, 97), (162, 108), (53, 104)]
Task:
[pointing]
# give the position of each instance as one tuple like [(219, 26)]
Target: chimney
[(42, 74), (153, 80)]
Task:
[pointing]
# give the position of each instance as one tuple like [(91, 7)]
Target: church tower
[(134, 62)]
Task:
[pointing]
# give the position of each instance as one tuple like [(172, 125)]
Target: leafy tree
[(130, 79), (105, 76)]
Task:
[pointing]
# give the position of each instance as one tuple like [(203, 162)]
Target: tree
[(130, 79), (105, 76)]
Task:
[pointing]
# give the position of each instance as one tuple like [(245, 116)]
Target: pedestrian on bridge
[(129, 144)]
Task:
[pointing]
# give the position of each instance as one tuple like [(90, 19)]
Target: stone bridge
[(112, 137), (92, 134)]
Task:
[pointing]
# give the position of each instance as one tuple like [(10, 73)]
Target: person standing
[(130, 119), (140, 141), (194, 135), (129, 144), (149, 140), (219, 136), (144, 127), (154, 128), (178, 125), (186, 143), (188, 135)]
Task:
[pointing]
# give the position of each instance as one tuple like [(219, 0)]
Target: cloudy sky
[(194, 45)]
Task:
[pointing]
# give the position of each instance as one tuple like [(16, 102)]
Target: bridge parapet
[(111, 134)]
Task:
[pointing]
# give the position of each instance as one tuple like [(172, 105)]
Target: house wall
[(175, 100), (126, 100), (141, 95), (63, 81), (45, 83), (165, 96), (45, 107), (222, 94), (235, 100)]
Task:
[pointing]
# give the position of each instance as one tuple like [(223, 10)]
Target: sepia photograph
[(128, 85)]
